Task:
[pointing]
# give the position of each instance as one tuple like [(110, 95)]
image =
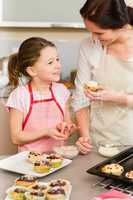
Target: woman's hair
[(28, 54), (107, 14)]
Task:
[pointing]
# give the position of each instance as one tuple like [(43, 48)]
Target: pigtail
[(13, 70)]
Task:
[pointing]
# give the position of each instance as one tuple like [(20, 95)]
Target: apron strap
[(57, 103)]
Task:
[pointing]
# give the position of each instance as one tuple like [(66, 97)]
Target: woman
[(106, 57)]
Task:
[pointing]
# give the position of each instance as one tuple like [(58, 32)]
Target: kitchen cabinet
[(6, 147)]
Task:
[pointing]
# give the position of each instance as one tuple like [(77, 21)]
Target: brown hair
[(28, 54), (107, 13)]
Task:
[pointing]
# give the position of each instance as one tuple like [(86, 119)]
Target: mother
[(107, 57)]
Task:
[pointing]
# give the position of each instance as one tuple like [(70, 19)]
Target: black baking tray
[(124, 158)]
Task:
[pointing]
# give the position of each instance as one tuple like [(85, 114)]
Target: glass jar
[(108, 149)]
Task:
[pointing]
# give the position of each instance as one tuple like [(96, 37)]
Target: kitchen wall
[(67, 41), (50, 33)]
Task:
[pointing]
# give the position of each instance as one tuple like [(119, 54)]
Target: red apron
[(42, 114)]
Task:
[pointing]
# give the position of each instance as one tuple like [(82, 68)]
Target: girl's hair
[(107, 14), (28, 54)]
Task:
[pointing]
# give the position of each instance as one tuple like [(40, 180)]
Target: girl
[(39, 116)]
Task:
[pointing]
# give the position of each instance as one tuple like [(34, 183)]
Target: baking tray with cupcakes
[(119, 167), (33, 163), (27, 187)]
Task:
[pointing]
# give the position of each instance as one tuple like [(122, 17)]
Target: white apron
[(110, 121)]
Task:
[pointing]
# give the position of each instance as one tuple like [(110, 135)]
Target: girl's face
[(106, 36), (48, 67)]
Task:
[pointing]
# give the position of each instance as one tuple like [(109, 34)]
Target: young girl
[(39, 116)]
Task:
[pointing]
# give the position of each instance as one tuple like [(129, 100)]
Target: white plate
[(67, 196), (18, 163)]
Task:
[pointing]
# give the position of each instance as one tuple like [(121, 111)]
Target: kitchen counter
[(82, 182)]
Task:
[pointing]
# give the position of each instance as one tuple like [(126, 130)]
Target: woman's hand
[(66, 128), (56, 134), (107, 95), (83, 144)]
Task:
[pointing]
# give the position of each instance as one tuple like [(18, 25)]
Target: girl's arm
[(19, 136)]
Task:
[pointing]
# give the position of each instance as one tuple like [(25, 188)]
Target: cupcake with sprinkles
[(35, 195), (42, 166), (55, 160), (130, 174), (16, 193), (62, 183), (40, 186), (56, 193), (26, 181), (34, 156)]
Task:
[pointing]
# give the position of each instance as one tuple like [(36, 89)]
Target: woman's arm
[(83, 121), (68, 117), (19, 136), (120, 98), (80, 102)]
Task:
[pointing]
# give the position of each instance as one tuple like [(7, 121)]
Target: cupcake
[(56, 193), (34, 156), (113, 169), (42, 166), (93, 86), (40, 187), (16, 193), (26, 181), (130, 174), (35, 195), (60, 183), (55, 160)]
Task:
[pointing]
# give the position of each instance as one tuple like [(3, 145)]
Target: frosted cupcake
[(40, 187), (26, 181), (130, 174), (93, 86), (60, 183), (34, 156), (42, 166), (56, 193), (16, 193), (35, 195), (55, 160), (113, 169)]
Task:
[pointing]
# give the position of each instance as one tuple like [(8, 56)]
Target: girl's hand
[(66, 128), (56, 134), (83, 144), (107, 95)]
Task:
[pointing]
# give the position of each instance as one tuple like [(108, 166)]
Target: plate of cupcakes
[(34, 163), (29, 188)]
